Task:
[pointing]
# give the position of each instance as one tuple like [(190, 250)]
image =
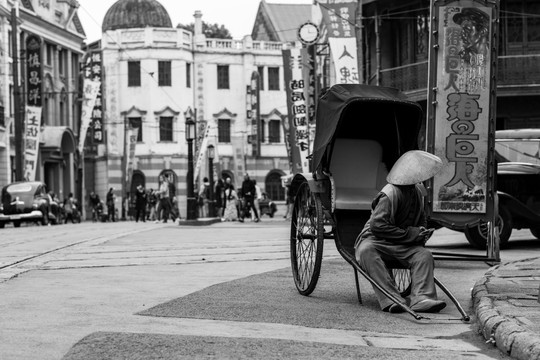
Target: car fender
[(516, 207)]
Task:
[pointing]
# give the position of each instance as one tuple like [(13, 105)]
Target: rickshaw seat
[(358, 172)]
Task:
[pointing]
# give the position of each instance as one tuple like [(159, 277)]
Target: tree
[(212, 31)]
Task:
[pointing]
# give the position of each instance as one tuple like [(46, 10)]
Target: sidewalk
[(506, 305)]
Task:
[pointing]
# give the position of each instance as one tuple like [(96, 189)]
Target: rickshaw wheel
[(477, 236), (307, 239), (402, 278)]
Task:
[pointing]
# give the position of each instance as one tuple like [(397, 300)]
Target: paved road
[(61, 283)]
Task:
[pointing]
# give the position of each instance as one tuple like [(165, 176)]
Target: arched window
[(273, 186), (137, 179), (173, 178)]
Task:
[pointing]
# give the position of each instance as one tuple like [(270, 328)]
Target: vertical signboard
[(132, 134), (33, 106), (297, 109), (461, 118), (340, 17), (90, 91), (254, 98), (310, 93), (92, 71)]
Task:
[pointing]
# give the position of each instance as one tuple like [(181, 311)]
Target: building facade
[(60, 36), (156, 76)]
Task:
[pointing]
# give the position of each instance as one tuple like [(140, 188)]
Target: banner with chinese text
[(297, 109), (90, 91), (461, 120), (345, 60), (308, 70), (132, 134), (31, 142), (92, 71)]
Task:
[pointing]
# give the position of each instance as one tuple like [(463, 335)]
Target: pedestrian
[(230, 212), (69, 205), (248, 193), (204, 197), (218, 195), (396, 233), (152, 203), (164, 201), (257, 198), (94, 203), (140, 204), (110, 199)]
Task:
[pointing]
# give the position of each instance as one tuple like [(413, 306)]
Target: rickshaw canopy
[(365, 111)]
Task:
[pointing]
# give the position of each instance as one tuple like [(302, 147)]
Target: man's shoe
[(429, 306), (394, 309)]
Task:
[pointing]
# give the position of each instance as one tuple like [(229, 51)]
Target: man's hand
[(424, 234)]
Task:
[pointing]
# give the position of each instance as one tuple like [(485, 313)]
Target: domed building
[(155, 76), (130, 14)]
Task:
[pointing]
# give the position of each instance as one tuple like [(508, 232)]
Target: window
[(48, 54), (62, 62), (223, 77), (260, 70), (274, 133), (164, 73), (522, 26), (136, 122), (134, 73), (166, 128), (10, 43), (188, 75), (224, 131), (273, 78)]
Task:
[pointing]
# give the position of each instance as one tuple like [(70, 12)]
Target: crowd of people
[(223, 200), (144, 205)]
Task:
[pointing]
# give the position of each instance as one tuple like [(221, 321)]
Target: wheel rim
[(483, 228), (305, 233)]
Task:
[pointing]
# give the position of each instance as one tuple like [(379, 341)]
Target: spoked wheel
[(402, 278), (307, 239)]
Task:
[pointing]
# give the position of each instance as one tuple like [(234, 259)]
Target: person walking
[(164, 200), (204, 196), (94, 204), (110, 198), (69, 205), (140, 204), (218, 196), (248, 193), (230, 213)]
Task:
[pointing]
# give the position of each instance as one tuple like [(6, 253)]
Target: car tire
[(2, 225), (477, 236), (16, 224)]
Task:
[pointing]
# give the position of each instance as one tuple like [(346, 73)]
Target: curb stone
[(504, 332)]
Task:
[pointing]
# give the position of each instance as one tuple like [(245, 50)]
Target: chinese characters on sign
[(340, 17), (31, 141), (462, 116), (33, 107), (92, 71), (308, 70), (297, 108), (132, 134), (90, 91), (254, 112)]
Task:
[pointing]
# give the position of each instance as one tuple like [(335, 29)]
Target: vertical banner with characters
[(340, 17), (461, 120), (33, 106), (310, 92), (297, 109), (90, 91), (31, 141), (92, 71), (131, 136), (254, 98)]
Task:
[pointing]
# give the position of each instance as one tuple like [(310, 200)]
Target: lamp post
[(211, 152), (190, 136)]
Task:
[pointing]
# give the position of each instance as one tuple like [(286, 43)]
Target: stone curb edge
[(504, 332)]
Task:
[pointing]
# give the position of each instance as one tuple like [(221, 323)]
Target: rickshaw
[(361, 131)]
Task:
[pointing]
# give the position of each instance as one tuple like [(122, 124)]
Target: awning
[(58, 139)]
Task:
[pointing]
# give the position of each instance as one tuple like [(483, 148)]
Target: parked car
[(517, 153), (267, 206), (27, 202)]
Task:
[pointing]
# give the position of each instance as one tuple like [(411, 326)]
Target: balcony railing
[(514, 70), (243, 44)]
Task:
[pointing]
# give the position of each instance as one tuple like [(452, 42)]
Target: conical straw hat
[(414, 167)]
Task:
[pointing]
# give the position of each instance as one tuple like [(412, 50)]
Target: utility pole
[(18, 122)]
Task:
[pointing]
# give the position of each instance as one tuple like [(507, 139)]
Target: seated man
[(396, 232)]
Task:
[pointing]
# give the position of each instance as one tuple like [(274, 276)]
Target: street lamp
[(211, 152), (190, 136)]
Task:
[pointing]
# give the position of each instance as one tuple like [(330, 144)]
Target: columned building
[(155, 76), (61, 36)]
